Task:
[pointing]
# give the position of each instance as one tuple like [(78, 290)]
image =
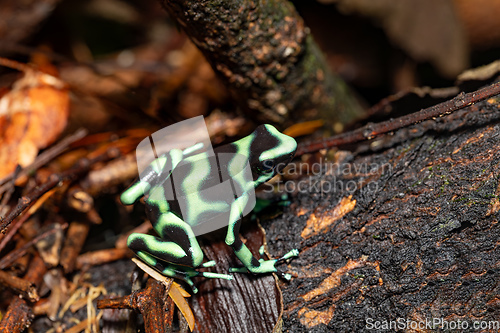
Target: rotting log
[(266, 56), (405, 230)]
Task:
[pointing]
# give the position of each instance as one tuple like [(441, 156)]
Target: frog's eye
[(266, 166)]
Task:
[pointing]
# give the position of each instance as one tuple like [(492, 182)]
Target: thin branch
[(12, 231), (12, 256), (44, 157), (21, 286), (15, 65), (370, 131), (71, 174), (75, 239)]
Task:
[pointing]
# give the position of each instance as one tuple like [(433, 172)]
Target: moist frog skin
[(176, 253)]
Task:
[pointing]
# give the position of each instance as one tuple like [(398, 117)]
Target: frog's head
[(270, 151)]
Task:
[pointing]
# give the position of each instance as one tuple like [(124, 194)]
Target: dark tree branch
[(264, 53)]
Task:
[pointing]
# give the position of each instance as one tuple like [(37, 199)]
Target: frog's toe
[(188, 280), (216, 275), (238, 270), (264, 266), (268, 266), (210, 263), (188, 274), (283, 275), (290, 254)]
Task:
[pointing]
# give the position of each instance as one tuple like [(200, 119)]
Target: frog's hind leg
[(177, 246), (282, 274), (156, 172), (241, 250), (162, 249), (178, 272)]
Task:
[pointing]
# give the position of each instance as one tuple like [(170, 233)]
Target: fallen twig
[(100, 257), (21, 286), (12, 256), (150, 302), (43, 158), (75, 238), (74, 172)]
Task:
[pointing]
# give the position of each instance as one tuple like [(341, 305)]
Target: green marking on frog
[(176, 253)]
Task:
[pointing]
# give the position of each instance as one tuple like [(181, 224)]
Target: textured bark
[(248, 303), (415, 239), (266, 56)]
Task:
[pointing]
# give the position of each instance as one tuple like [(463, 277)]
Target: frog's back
[(202, 188)]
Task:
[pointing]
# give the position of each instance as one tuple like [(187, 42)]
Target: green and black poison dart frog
[(177, 253)]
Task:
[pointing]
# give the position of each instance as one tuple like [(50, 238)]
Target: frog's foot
[(184, 273), (291, 254), (210, 263), (267, 266)]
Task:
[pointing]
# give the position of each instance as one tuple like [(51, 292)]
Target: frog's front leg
[(156, 172), (241, 250), (177, 257)]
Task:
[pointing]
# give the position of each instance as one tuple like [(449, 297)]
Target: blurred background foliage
[(378, 46)]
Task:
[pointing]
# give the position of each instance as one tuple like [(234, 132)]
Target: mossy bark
[(265, 54)]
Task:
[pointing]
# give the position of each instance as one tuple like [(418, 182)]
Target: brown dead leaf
[(32, 115)]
